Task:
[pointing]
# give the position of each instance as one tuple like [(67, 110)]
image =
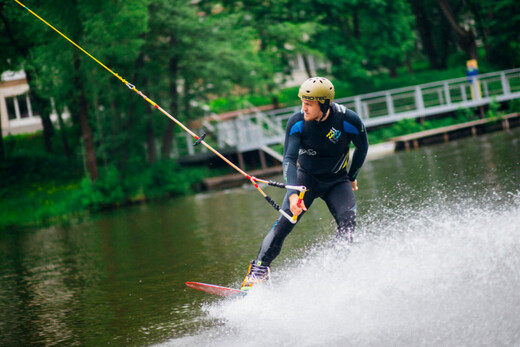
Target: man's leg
[(273, 241), (271, 246), (342, 205)]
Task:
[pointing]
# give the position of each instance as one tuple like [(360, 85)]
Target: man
[(319, 138)]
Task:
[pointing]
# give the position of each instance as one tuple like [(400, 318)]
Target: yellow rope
[(132, 87), (74, 43)]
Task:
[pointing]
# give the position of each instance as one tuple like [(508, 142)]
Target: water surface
[(435, 262)]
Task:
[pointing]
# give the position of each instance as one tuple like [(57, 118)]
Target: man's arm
[(291, 149), (361, 143), (358, 136)]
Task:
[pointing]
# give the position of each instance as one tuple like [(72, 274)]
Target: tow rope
[(199, 139)]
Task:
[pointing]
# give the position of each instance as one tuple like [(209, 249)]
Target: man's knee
[(273, 241), (346, 225)]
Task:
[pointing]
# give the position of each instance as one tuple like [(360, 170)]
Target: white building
[(16, 111), (18, 115), (298, 73)]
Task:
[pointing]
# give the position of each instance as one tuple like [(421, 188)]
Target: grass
[(37, 188), (38, 204)]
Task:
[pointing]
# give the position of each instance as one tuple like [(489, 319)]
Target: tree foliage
[(361, 37), (183, 54)]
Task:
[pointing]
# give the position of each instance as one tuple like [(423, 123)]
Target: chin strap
[(325, 107)]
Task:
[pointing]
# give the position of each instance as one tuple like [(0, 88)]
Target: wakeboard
[(216, 290)]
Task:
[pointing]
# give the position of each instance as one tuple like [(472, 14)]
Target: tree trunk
[(482, 30), (48, 130), (275, 102), (2, 149), (186, 98), (445, 51), (88, 140), (63, 133), (168, 133), (129, 136), (408, 63), (307, 66), (150, 138), (357, 30), (167, 140), (393, 72), (42, 106), (466, 37), (425, 33)]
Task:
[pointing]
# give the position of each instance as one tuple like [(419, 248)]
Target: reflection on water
[(435, 263)]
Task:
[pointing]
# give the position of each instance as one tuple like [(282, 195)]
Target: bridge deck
[(255, 129), (454, 131)]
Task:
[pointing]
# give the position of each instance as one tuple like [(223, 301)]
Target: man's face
[(311, 110)]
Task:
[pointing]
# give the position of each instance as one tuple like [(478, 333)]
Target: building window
[(23, 101), (11, 108), (19, 107)]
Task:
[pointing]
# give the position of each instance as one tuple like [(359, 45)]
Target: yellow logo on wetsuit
[(334, 135)]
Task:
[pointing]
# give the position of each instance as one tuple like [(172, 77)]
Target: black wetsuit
[(322, 150)]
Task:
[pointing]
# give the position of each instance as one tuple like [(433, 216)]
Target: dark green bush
[(26, 168), (105, 192), (167, 178), (163, 179)]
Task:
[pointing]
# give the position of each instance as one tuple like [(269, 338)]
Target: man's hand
[(354, 184), (295, 209)]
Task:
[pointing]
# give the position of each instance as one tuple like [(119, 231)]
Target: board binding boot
[(257, 273)]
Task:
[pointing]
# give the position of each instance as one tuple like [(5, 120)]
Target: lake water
[(435, 262)]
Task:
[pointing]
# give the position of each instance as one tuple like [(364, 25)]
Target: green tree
[(203, 55), (17, 42), (182, 58), (110, 31), (455, 14), (11, 50), (498, 26), (360, 38), (281, 32), (436, 39)]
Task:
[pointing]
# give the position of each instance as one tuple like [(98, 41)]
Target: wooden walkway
[(445, 134), (406, 142), (256, 127), (232, 180)]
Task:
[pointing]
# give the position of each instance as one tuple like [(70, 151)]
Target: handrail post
[(359, 107), (191, 150), (389, 104), (475, 85), (447, 93), (419, 102), (505, 83), (463, 93)]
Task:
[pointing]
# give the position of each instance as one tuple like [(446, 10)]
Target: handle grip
[(299, 203), (286, 215)]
